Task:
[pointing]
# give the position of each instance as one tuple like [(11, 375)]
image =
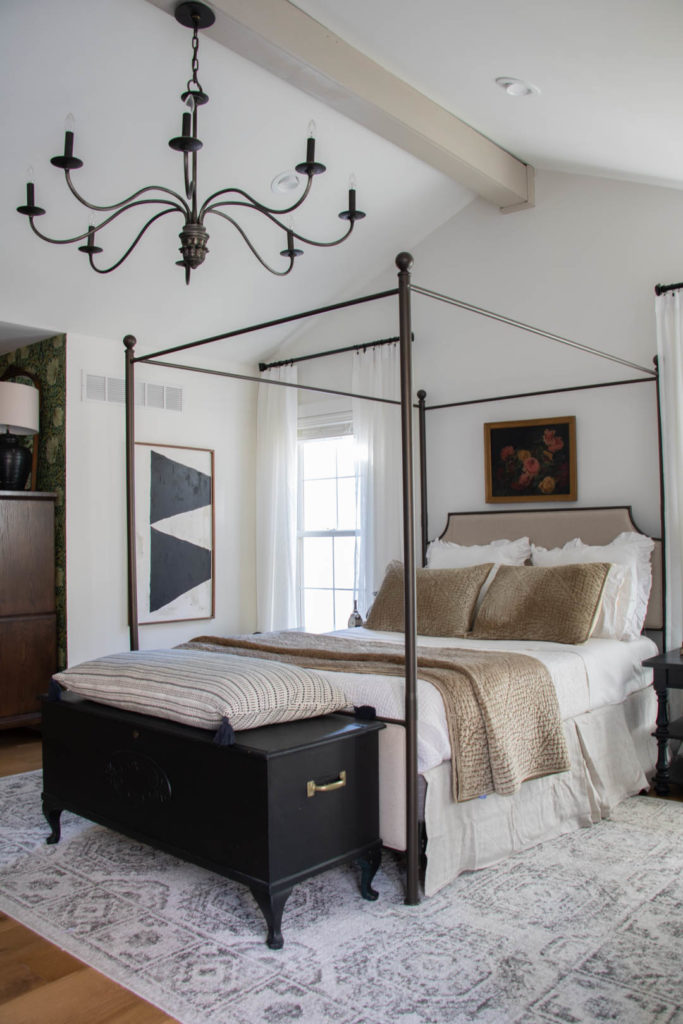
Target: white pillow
[(444, 554), (617, 607), (633, 549), (628, 583)]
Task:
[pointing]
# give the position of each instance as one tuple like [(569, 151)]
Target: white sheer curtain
[(377, 429), (276, 499), (670, 357)]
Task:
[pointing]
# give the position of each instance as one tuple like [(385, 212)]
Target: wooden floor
[(40, 983)]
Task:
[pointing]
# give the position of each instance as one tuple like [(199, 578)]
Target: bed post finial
[(404, 261), (130, 341)]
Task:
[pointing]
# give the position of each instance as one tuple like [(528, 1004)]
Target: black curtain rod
[(330, 352), (549, 391), (661, 288), (267, 323)]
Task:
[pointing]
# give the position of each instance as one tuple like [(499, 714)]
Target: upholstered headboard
[(552, 528)]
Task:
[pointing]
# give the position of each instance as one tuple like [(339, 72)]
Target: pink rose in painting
[(548, 435), (524, 479), (507, 452), (531, 467), (554, 444)]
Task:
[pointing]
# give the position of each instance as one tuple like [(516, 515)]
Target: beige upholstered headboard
[(552, 528)]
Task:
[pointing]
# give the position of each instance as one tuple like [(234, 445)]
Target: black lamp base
[(15, 463)]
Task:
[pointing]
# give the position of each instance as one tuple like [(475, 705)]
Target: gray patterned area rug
[(583, 929)]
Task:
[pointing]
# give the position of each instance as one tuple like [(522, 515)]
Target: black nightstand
[(668, 675)]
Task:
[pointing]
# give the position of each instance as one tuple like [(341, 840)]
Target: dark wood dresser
[(28, 626)]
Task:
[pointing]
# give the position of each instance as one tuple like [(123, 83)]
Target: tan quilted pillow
[(530, 602), (445, 600)]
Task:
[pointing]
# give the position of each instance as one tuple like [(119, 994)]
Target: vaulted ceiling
[(609, 77)]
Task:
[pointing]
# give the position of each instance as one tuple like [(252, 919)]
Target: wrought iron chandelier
[(194, 236)]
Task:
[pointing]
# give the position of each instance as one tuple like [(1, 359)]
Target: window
[(328, 532)]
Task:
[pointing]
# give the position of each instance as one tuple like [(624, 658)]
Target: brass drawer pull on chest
[(312, 789)]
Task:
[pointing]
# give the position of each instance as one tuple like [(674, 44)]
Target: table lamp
[(19, 416)]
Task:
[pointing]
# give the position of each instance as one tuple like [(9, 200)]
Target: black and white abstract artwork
[(174, 532)]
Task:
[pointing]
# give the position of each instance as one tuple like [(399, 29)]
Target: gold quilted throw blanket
[(501, 708)]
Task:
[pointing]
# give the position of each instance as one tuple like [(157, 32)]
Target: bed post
[(404, 262), (662, 504), (129, 342), (422, 421)]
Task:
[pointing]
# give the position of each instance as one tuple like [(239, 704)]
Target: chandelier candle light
[(194, 236)]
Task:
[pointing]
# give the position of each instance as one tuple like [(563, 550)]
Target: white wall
[(583, 264), (217, 413)]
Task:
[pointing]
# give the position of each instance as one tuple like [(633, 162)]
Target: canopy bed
[(602, 698)]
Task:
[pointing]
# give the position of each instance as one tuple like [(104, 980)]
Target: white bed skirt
[(612, 753)]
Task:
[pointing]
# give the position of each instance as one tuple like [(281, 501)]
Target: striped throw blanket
[(204, 688)]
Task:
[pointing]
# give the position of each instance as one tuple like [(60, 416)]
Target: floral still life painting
[(531, 460)]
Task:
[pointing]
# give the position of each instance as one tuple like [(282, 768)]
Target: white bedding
[(589, 676)]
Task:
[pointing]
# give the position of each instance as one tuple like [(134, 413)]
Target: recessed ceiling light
[(287, 181), (516, 87)]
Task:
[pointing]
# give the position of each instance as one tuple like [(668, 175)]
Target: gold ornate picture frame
[(531, 460)]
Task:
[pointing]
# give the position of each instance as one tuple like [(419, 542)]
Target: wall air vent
[(96, 388)]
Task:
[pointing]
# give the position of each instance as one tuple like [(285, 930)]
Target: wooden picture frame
[(531, 460), (175, 532)]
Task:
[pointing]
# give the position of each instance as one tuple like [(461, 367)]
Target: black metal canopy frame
[(404, 263)]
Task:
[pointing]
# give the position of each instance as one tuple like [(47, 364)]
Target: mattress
[(593, 675)]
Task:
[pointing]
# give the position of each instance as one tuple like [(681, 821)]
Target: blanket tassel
[(225, 737), (54, 690)]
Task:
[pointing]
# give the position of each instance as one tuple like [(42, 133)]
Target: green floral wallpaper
[(47, 359)]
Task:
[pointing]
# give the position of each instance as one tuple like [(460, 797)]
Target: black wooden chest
[(283, 803)]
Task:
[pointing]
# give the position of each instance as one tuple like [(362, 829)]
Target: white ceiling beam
[(284, 40)]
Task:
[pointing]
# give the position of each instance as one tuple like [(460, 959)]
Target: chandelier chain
[(195, 61)]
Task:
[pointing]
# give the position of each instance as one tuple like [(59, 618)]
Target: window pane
[(344, 557), (343, 606), (346, 456), (328, 504), (347, 503), (319, 459), (317, 567), (318, 611), (320, 506)]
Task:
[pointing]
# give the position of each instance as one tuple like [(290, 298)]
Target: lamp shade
[(19, 405)]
